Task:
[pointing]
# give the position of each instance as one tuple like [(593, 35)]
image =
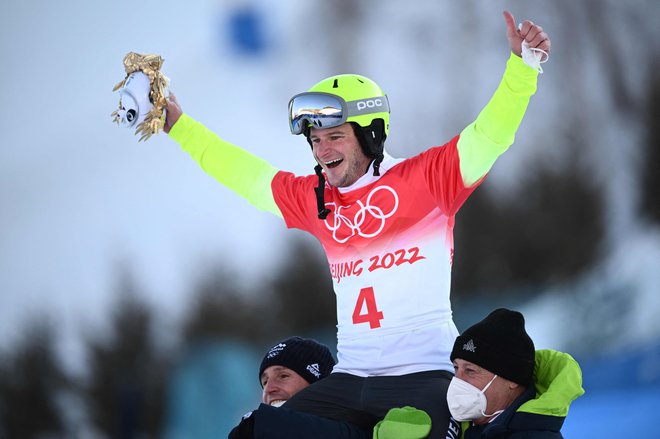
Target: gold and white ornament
[(142, 99)]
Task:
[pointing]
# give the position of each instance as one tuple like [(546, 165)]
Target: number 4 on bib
[(367, 299)]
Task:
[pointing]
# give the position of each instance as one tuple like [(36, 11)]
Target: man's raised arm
[(242, 172), (494, 129)]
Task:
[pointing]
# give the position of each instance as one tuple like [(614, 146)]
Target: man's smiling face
[(338, 152), (279, 384)]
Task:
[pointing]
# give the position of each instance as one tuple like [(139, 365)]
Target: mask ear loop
[(483, 392)]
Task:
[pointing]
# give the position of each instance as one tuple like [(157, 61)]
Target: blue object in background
[(614, 413), (622, 396), (246, 30)]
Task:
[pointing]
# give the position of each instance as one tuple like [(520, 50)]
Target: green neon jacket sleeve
[(242, 172), (494, 130), (558, 380)]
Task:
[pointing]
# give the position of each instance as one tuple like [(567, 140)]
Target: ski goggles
[(324, 110)]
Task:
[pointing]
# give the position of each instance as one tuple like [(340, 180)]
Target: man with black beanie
[(503, 388), (287, 368), (290, 366)]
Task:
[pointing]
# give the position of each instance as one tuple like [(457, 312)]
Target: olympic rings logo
[(343, 227)]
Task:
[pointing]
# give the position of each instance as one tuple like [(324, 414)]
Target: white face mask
[(466, 402)]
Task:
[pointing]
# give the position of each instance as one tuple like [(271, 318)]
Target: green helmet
[(364, 98), (352, 87), (364, 106)]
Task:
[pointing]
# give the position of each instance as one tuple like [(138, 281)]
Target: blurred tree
[(30, 380), (304, 300), (552, 236), (224, 310), (633, 90), (126, 387), (651, 165), (298, 299)]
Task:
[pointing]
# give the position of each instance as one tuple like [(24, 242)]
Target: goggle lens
[(317, 109)]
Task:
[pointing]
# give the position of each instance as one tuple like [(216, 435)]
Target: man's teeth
[(333, 163), (277, 402)]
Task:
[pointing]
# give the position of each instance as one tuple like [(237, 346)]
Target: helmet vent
[(336, 83)]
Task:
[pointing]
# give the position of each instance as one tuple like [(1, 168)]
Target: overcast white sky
[(79, 195)]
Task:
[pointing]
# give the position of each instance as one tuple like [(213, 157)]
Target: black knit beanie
[(500, 345), (305, 356)]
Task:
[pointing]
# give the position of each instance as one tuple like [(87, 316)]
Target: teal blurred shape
[(212, 386)]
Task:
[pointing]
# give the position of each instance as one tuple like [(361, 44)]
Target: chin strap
[(372, 140), (320, 202), (377, 160)]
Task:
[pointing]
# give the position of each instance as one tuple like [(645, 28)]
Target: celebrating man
[(385, 224)]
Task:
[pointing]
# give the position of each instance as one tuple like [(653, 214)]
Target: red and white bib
[(389, 244)]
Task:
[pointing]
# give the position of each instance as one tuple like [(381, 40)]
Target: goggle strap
[(368, 106)]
